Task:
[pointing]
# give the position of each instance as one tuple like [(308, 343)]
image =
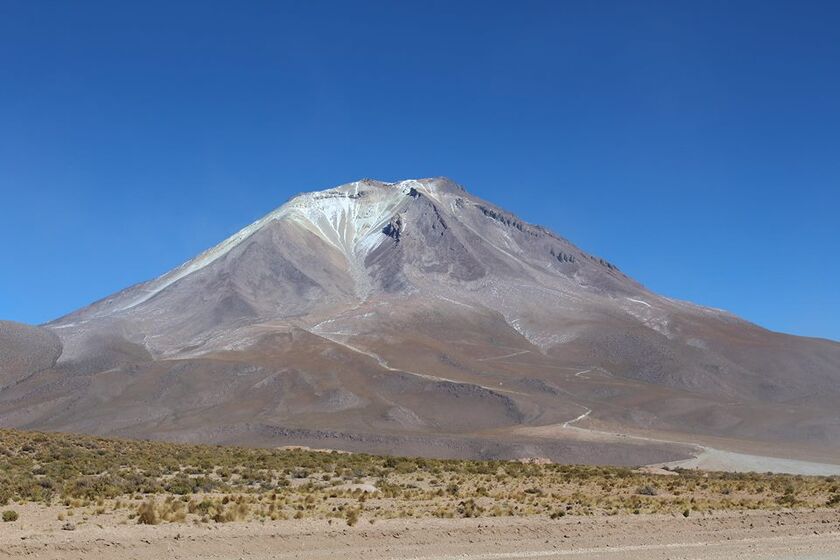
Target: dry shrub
[(147, 513)]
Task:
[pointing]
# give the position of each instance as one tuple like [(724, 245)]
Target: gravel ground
[(787, 535)]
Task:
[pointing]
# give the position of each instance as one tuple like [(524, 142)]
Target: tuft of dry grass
[(147, 513)]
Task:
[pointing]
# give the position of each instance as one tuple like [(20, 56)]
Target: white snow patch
[(351, 222)]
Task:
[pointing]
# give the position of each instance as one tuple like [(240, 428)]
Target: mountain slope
[(413, 317)]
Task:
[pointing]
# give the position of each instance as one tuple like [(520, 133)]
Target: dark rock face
[(413, 317), (394, 228)]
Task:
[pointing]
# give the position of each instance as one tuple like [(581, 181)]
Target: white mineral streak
[(350, 218)]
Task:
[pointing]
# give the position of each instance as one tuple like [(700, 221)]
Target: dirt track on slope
[(751, 536)]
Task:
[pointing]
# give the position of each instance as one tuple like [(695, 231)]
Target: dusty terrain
[(758, 535)]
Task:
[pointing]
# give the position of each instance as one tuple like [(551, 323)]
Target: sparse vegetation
[(10, 515), (153, 482)]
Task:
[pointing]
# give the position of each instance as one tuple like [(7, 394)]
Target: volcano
[(414, 318)]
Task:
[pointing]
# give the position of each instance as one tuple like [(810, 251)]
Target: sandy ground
[(809, 535), (705, 457), (718, 460)]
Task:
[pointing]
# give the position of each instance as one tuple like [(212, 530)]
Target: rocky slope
[(413, 317)]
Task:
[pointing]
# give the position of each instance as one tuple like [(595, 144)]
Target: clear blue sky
[(694, 144)]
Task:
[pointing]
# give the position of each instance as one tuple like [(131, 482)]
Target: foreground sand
[(779, 535)]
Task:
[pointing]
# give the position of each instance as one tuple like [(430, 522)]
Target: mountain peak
[(358, 189), (351, 217), (391, 236)]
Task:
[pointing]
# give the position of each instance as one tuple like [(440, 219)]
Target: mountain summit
[(413, 317)]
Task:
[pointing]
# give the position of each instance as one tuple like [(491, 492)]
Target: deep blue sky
[(694, 144)]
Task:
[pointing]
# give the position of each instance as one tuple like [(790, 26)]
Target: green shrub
[(10, 515)]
